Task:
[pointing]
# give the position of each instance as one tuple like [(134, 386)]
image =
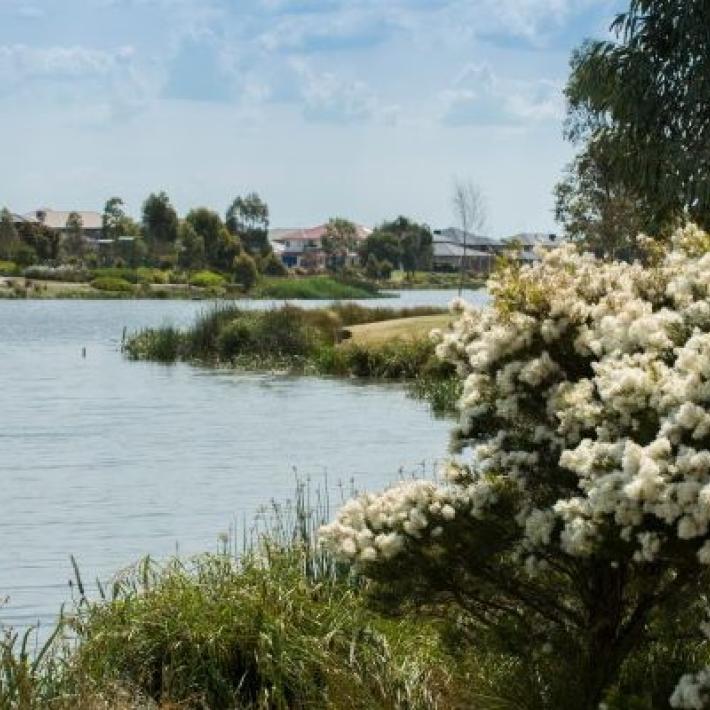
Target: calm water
[(110, 460)]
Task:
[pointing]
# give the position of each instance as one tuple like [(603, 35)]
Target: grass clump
[(312, 287), (57, 273), (257, 633), (207, 279), (116, 272), (113, 284), (8, 268), (305, 340)]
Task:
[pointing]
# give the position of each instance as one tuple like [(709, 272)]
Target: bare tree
[(470, 212)]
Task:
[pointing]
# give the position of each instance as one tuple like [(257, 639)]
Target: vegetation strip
[(314, 341)]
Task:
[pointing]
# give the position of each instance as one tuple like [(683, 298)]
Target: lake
[(110, 460)]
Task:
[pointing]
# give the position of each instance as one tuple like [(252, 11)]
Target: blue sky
[(359, 108)]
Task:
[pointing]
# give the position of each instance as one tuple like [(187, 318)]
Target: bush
[(577, 539), (273, 266), (24, 255), (310, 287), (57, 273), (113, 284), (147, 275), (9, 268), (207, 279), (245, 271), (159, 344), (403, 359), (115, 272)]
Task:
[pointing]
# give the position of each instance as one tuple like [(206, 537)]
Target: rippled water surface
[(110, 460)]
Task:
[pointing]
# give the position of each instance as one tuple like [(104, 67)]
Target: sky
[(364, 109)]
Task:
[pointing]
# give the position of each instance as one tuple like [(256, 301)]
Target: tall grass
[(305, 340), (312, 287), (278, 625), (227, 331)]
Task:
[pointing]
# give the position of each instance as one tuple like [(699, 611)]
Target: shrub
[(579, 534), (273, 266), (310, 287), (245, 271), (8, 268), (253, 634), (147, 275), (207, 279), (160, 344), (57, 273), (24, 255), (113, 284), (114, 272)]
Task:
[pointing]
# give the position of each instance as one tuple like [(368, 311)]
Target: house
[(92, 222), (18, 219), (303, 248), (449, 257), (452, 245), (528, 242)]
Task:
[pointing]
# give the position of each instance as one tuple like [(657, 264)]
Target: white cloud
[(346, 28), (479, 96), (327, 97), (109, 84), (335, 24), (19, 62)]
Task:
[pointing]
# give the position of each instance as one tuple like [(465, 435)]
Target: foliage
[(146, 275), (8, 235), (42, 240), (309, 287), (442, 391), (376, 269), (640, 100), (339, 240), (160, 220), (401, 242), (208, 226), (113, 284), (207, 279), (245, 271), (113, 218), (8, 268), (248, 219), (57, 273), (74, 243), (271, 265), (133, 253), (264, 631), (578, 534), (192, 247), (595, 210), (115, 272)]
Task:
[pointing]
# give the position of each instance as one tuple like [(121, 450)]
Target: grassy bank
[(432, 280), (284, 626), (343, 340), (280, 626), (313, 287), (66, 282)]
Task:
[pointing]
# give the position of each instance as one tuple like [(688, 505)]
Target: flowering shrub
[(582, 515)]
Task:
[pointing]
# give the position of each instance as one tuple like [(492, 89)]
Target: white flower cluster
[(602, 369), (692, 691), (373, 528)]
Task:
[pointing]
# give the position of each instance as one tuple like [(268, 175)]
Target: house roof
[(312, 233), (543, 239), (454, 235), (447, 249), (57, 219), (20, 219)]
